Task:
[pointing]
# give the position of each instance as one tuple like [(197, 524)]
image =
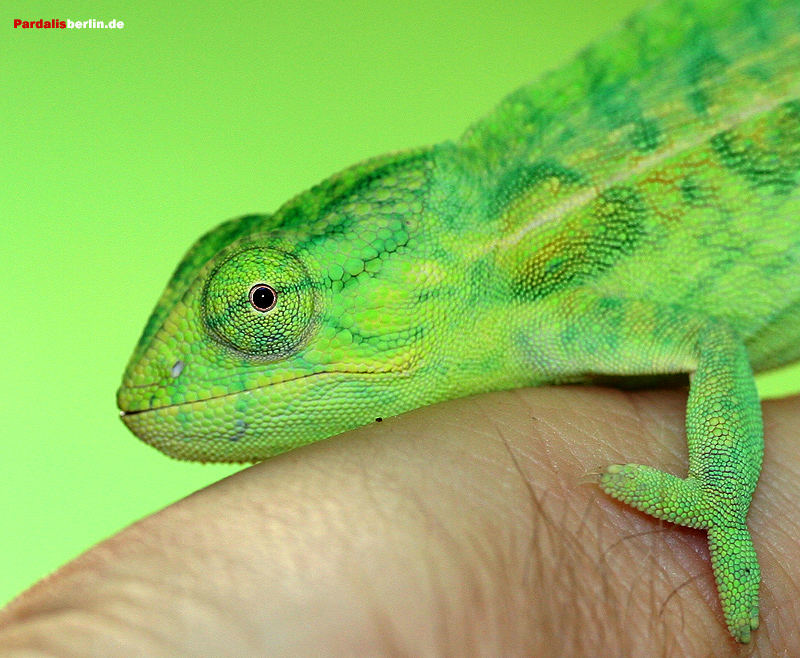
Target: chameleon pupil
[(262, 297)]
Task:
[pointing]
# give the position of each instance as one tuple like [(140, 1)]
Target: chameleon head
[(278, 331)]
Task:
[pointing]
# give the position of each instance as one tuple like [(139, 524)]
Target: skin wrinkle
[(642, 412), (640, 580), (125, 621), (536, 500), (442, 536), (654, 541), (78, 622), (535, 504), (781, 566)]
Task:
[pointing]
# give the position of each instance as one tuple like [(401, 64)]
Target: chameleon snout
[(144, 385)]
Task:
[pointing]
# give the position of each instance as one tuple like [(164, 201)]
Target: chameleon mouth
[(123, 413)]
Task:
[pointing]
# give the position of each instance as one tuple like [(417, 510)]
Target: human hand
[(469, 527)]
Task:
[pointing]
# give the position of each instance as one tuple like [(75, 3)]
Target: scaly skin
[(635, 213)]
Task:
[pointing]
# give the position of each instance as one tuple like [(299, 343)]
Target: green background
[(120, 147)]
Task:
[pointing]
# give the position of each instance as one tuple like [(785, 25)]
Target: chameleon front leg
[(725, 437)]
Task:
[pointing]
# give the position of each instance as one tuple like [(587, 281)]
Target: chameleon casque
[(636, 212)]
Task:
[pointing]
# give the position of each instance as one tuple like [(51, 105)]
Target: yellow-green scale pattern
[(632, 214)]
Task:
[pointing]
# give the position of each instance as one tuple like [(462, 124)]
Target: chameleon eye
[(263, 297), (242, 313)]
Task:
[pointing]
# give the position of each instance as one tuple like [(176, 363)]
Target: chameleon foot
[(687, 502), (735, 565)]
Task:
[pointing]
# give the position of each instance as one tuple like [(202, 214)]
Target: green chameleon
[(635, 213)]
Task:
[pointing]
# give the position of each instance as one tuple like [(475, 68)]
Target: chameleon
[(635, 213)]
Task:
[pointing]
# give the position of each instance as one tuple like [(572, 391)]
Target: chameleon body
[(634, 213)]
